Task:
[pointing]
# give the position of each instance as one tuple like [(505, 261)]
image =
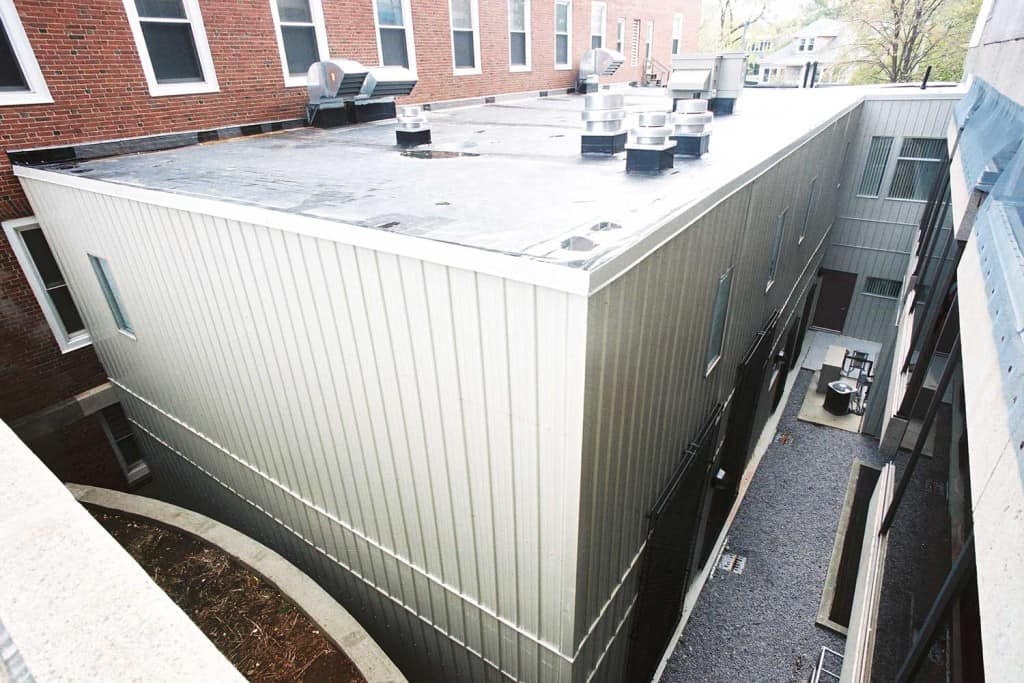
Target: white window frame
[(620, 35), (112, 295), (808, 209), (67, 342), (410, 41), (802, 46), (649, 44), (38, 92), (711, 362), (603, 7), (195, 19), (316, 13), (527, 17), (134, 473), (474, 11), (810, 45), (677, 33), (568, 35), (775, 253)]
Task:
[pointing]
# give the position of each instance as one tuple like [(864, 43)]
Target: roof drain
[(650, 150), (603, 114), (691, 127), (413, 126)]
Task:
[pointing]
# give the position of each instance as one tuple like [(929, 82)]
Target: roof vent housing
[(596, 63)]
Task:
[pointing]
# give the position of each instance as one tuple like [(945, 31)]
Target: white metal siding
[(406, 432)]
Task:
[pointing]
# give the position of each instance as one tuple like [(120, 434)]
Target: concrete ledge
[(336, 623)]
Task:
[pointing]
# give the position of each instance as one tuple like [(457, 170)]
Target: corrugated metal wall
[(647, 392), (407, 433), (874, 236)]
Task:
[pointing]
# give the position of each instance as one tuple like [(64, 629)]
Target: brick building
[(74, 72)]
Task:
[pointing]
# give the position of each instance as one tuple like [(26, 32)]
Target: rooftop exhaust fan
[(413, 126), (691, 127), (603, 115), (650, 151), (343, 91), (596, 63)]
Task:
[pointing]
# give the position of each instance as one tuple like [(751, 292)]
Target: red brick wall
[(88, 58)]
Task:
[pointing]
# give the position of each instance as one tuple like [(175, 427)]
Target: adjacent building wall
[(874, 236), (647, 390), (407, 433)]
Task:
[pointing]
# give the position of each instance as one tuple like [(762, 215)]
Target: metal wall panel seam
[(612, 639), (597, 620), (878, 249), (313, 506), (327, 554), (877, 220)]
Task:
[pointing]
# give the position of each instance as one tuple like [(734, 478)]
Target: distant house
[(826, 44), (757, 48)]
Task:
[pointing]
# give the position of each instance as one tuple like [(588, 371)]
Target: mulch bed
[(256, 627)]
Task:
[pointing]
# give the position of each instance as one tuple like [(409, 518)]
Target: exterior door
[(834, 301), (750, 377), (677, 523)]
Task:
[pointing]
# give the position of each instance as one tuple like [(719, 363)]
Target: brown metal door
[(834, 301)]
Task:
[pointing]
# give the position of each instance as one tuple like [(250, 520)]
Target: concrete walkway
[(760, 625)]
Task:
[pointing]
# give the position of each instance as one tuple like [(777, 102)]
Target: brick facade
[(93, 70)]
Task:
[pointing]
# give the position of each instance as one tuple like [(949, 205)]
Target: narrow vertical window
[(47, 282), (719, 313), (677, 34), (21, 81), (171, 40), (776, 251), (465, 44), (125, 445), (808, 209), (917, 167), (620, 35), (301, 36), (394, 34), (634, 51), (111, 293), (519, 35), (563, 42), (649, 45), (598, 21), (874, 167)]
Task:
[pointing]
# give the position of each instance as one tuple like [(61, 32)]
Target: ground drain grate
[(731, 562)]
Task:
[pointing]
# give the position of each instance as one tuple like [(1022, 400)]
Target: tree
[(731, 19), (898, 39)]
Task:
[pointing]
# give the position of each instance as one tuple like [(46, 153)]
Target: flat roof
[(505, 177)]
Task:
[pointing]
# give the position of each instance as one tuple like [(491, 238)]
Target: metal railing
[(820, 668), (654, 72)]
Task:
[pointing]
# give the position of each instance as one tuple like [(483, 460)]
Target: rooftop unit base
[(412, 138), (691, 145), (329, 116), (374, 111), (722, 105), (606, 145), (650, 161)]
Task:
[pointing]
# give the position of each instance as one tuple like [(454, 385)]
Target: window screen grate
[(874, 168), (716, 333), (634, 53), (917, 167), (877, 286)]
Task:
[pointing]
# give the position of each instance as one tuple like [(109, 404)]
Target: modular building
[(495, 397)]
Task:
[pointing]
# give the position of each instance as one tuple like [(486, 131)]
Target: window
[(47, 283), (874, 168), (776, 252), (519, 35), (677, 34), (808, 208), (563, 41), (620, 35), (21, 81), (112, 294), (810, 44), (649, 45), (126, 447), (716, 333), (598, 20), (766, 74), (465, 37), (634, 53), (803, 45), (394, 33), (171, 41), (301, 37), (889, 289), (916, 168)]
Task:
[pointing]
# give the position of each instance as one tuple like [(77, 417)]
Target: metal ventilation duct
[(716, 78), (603, 115), (596, 63), (334, 78), (691, 127), (388, 81), (413, 126), (650, 148)]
